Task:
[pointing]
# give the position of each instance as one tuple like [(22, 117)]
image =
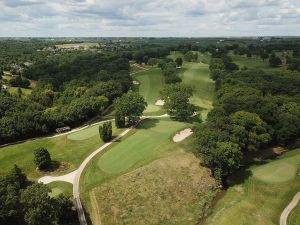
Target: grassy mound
[(170, 190)]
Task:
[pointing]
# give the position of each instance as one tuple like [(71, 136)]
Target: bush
[(119, 120), (42, 158), (105, 131)]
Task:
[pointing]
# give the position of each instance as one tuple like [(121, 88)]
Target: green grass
[(61, 149), (249, 200), (151, 139), (294, 217), (87, 133), (60, 187), (197, 76), (25, 91), (167, 187), (151, 82)]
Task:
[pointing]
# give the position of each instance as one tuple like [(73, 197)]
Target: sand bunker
[(182, 135), (135, 82), (160, 102)]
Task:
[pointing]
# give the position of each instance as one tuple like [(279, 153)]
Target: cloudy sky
[(158, 18)]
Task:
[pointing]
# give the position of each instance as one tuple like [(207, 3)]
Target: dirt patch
[(182, 135), (160, 102)]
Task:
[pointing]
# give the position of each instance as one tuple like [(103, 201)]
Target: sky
[(149, 18)]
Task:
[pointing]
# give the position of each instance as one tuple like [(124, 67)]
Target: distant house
[(62, 129)]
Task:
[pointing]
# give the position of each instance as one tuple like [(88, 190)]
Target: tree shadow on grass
[(147, 124)]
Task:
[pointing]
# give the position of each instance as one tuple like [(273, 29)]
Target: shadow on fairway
[(147, 124)]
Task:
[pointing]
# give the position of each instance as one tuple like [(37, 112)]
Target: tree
[(105, 131), (264, 55), (226, 158), (274, 60), (179, 61), (176, 97), (38, 207), (130, 105), (65, 212), (42, 158), (119, 120), (249, 131)]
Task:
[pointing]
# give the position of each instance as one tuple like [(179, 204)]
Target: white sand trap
[(135, 82), (160, 102), (182, 135), (67, 178)]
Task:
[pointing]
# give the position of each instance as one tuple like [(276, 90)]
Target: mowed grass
[(62, 149), (250, 201), (60, 187), (198, 77), (151, 82), (142, 146), (172, 189), (294, 217)]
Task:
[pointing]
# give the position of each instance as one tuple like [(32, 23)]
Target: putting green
[(151, 82), (138, 147), (278, 171)]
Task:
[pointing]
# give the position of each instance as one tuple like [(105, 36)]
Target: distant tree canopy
[(19, 82), (130, 105)]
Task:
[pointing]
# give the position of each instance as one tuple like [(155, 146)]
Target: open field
[(258, 201), (172, 189), (151, 82), (294, 217), (70, 149), (78, 45)]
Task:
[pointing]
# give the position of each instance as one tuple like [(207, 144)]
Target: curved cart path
[(74, 177), (284, 215)]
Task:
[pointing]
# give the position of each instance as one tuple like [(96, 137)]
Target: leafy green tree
[(226, 157), (65, 212), (179, 61), (176, 97), (119, 120), (249, 131), (38, 207), (130, 105), (105, 131), (42, 158), (274, 61)]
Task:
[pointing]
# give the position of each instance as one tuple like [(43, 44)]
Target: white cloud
[(149, 18)]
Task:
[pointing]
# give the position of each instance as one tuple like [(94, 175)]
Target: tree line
[(253, 109)]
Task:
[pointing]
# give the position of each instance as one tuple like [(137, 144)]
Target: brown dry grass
[(170, 190)]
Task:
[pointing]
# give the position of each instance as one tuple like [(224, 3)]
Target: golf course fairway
[(151, 82)]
